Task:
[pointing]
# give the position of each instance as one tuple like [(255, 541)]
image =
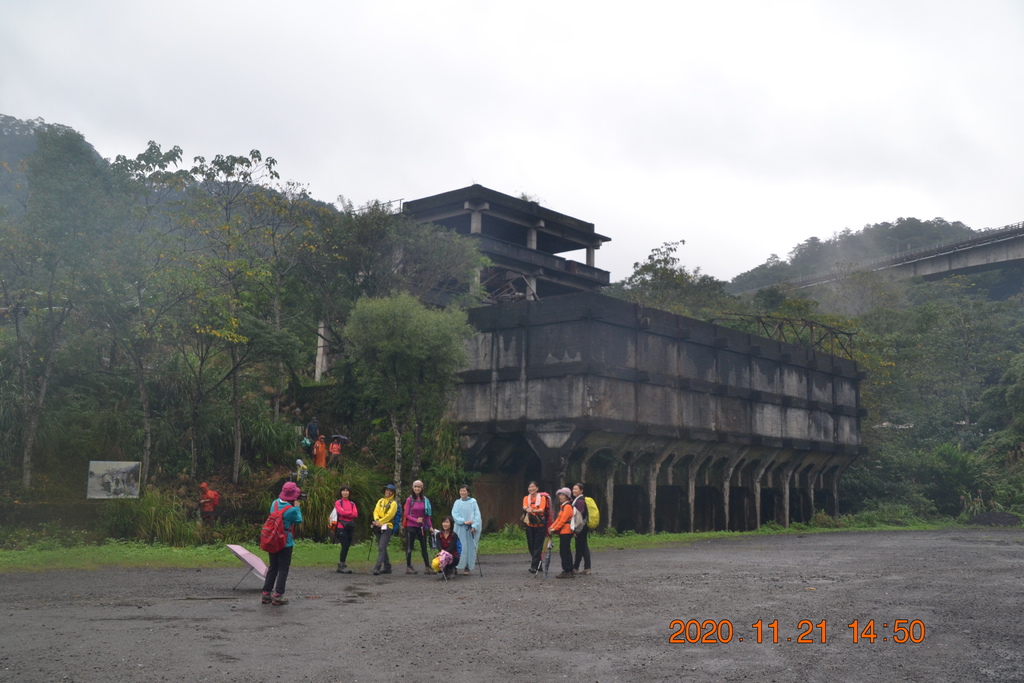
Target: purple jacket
[(413, 510)]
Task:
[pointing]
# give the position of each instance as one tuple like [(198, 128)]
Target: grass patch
[(48, 554)]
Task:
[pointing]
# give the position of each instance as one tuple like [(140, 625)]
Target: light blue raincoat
[(467, 511)]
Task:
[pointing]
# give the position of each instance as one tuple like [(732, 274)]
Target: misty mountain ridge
[(879, 240)]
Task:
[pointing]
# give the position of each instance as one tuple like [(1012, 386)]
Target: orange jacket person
[(320, 452), (208, 502), (536, 515), (563, 527)]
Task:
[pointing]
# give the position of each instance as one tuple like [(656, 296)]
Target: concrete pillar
[(321, 352), (609, 496), (670, 472), (766, 461), (727, 471), (476, 216), (590, 256), (531, 238), (692, 468), (691, 488), (652, 484), (834, 490), (785, 502), (583, 465), (837, 474), (787, 477)]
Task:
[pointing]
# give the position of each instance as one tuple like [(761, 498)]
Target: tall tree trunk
[(35, 408), (194, 432), (147, 417), (237, 411), (397, 429), (279, 383), (417, 453)]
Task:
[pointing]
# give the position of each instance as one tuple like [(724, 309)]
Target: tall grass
[(323, 486), (153, 517)]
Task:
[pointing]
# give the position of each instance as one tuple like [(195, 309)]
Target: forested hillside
[(171, 312), (880, 240)]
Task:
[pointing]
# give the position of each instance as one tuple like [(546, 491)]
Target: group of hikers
[(322, 452), (572, 521), (456, 540)]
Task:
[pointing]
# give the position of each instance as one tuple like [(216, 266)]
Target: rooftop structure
[(522, 239)]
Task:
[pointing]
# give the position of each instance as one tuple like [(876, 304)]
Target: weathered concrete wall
[(589, 387)]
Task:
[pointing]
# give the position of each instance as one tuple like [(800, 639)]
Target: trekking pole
[(540, 563), (479, 568), (369, 550), (547, 561)]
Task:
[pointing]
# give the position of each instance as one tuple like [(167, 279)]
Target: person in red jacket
[(448, 541), (343, 521), (208, 502), (563, 527)]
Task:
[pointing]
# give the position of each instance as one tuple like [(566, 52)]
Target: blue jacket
[(291, 517)]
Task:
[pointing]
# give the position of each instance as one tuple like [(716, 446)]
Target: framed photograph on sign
[(113, 479)]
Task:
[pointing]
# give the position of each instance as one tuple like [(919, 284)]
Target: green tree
[(375, 252), (406, 359), (661, 282), (228, 332), (71, 215), (142, 278)]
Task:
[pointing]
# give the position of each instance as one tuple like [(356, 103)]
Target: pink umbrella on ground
[(254, 563)]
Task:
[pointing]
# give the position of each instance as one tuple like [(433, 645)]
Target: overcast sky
[(742, 128)]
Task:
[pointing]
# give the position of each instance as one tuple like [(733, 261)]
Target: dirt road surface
[(960, 593)]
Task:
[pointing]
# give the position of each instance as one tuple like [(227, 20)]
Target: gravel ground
[(964, 586)]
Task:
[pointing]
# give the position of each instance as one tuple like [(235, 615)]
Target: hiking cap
[(290, 491)]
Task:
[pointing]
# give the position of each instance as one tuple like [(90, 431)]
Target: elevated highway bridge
[(987, 250)]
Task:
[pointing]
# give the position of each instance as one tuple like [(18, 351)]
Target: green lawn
[(47, 555)]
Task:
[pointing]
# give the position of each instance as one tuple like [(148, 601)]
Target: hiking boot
[(386, 571), (410, 570), (279, 600), (585, 572), (564, 575), (428, 570), (266, 598), (533, 570), (341, 567), (466, 572), (575, 572), (376, 572)]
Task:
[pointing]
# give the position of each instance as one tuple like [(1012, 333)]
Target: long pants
[(582, 549), (278, 570), (412, 533), (383, 561), (344, 535), (535, 536), (565, 552)]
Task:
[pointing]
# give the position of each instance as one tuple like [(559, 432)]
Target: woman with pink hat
[(277, 573)]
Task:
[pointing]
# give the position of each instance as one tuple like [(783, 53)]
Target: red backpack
[(274, 537)]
